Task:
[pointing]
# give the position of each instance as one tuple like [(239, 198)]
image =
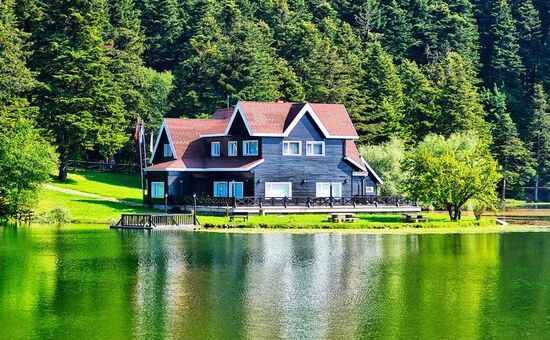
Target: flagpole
[(140, 143)]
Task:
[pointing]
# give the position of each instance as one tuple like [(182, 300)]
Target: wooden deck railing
[(155, 220), (396, 201)]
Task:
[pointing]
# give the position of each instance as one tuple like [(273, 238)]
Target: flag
[(137, 130), (141, 134), (151, 147)]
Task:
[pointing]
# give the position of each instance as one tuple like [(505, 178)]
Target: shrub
[(59, 215)]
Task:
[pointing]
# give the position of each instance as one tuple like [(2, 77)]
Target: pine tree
[(505, 67), (80, 101), (16, 80), (459, 101), (540, 135), (420, 97), (507, 148), (165, 23), (380, 85), (530, 38)]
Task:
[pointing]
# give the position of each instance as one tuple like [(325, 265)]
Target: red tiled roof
[(274, 118), (209, 164), (185, 131), (335, 118), (353, 154)]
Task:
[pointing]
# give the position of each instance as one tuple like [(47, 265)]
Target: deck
[(299, 205), (157, 222)]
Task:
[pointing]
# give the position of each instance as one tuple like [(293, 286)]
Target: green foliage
[(508, 149), (57, 215), (387, 158), (540, 132), (450, 172), (16, 80), (26, 161)]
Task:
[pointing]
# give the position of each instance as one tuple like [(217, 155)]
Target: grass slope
[(84, 209), (121, 186)]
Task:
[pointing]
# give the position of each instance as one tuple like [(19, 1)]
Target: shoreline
[(396, 231)]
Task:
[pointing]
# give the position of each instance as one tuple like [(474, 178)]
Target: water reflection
[(92, 282)]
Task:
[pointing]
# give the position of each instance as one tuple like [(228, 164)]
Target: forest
[(84, 71)]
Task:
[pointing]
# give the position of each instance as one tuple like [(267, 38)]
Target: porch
[(300, 205)]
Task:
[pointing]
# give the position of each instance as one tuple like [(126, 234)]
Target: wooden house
[(260, 150)]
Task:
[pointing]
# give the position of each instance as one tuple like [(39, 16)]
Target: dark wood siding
[(158, 157), (296, 169)]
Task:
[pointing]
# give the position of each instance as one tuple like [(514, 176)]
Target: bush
[(58, 215)]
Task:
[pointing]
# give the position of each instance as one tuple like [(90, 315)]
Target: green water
[(91, 282)]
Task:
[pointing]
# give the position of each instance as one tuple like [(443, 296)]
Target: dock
[(157, 222)]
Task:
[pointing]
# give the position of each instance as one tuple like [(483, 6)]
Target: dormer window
[(215, 149), (232, 149), (167, 150), (250, 148)]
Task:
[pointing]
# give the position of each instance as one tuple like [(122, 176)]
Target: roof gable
[(278, 119)]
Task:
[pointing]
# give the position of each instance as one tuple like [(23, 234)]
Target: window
[(278, 189), (250, 148), (157, 189), (167, 150), (369, 190), (292, 148), (232, 149), (221, 189), (315, 148), (324, 189), (229, 189), (215, 149)]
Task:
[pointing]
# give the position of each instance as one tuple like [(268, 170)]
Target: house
[(260, 149)]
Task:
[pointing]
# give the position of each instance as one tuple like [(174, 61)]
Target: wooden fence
[(147, 221), (103, 166)]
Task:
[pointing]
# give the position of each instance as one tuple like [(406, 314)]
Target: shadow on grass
[(112, 205)]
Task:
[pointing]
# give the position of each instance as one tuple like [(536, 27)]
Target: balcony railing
[(310, 202)]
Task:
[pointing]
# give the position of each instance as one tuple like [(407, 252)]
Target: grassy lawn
[(121, 186), (319, 221), (84, 209)]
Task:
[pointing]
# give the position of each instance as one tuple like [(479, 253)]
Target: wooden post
[(194, 209)]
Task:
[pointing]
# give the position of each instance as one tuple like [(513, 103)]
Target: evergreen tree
[(165, 23), (505, 67), (420, 101), (382, 89), (508, 148), (458, 101), (80, 101), (540, 130), (530, 38), (16, 80)]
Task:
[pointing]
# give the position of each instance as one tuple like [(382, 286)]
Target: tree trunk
[(455, 213), (62, 176)]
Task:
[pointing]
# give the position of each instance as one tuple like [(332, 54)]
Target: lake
[(92, 282)]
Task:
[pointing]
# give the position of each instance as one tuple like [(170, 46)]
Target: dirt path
[(85, 194)]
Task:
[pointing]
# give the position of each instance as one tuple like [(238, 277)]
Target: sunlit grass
[(84, 209), (121, 186)]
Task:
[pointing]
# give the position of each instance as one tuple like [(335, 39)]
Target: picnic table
[(408, 218), (342, 217)]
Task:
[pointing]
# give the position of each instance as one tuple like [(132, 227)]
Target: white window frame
[(288, 142), (229, 150), (245, 150), (268, 186), (167, 150), (336, 194), (312, 143), (154, 189), (369, 190), (212, 149)]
